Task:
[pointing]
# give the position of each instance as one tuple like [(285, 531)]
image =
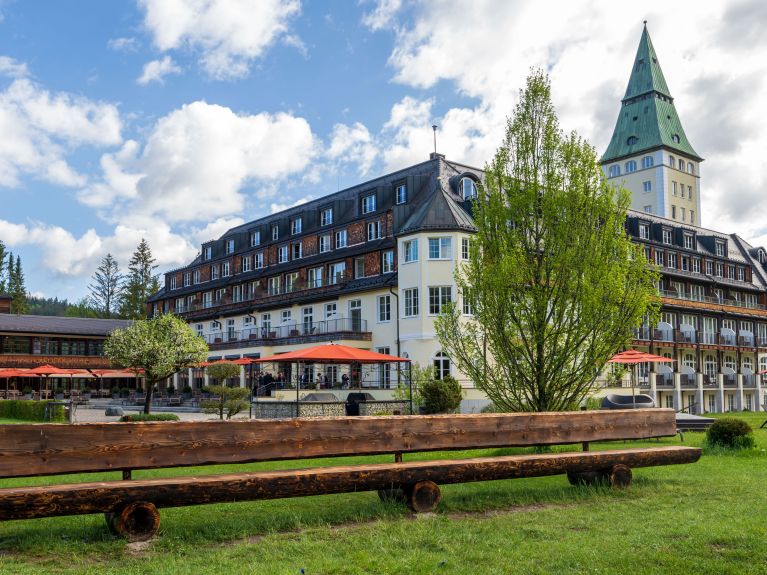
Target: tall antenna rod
[(434, 127)]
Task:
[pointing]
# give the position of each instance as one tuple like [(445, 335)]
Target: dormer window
[(275, 232), (468, 188), (667, 236), (631, 166), (229, 246), (615, 171), (644, 231), (401, 194), (207, 252), (295, 226), (632, 140), (326, 217), (255, 239), (675, 138), (369, 204), (688, 241), (720, 248)]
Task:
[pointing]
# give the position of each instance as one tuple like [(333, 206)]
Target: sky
[(174, 120)]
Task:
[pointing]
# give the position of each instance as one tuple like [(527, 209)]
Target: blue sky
[(175, 120)]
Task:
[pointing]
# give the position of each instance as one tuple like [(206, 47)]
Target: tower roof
[(648, 117)]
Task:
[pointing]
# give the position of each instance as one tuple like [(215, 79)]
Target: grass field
[(709, 517)]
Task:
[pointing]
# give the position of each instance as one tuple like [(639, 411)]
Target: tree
[(3, 272), (441, 395), (83, 308), (555, 283), (160, 347), (229, 400), (16, 288), (140, 283), (107, 287)]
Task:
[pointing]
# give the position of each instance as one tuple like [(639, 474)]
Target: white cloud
[(40, 129), (197, 160), (282, 207), (124, 44), (228, 34), (383, 14), (352, 144), (156, 70), (65, 255), (215, 229), (13, 68)]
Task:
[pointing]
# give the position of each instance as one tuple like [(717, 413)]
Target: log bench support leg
[(423, 496), (137, 521), (618, 476)]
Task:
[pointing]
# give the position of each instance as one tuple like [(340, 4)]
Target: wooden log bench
[(131, 504)]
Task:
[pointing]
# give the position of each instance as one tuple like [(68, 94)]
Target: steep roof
[(440, 211), (648, 118), (60, 325)]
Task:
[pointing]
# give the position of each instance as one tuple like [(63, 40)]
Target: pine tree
[(107, 287), (140, 283), (3, 274), (16, 287)]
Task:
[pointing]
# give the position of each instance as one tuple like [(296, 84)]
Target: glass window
[(259, 260), (468, 188), (359, 267), (387, 261), (647, 162), (411, 250), (336, 272), (275, 232), (688, 241), (255, 239), (648, 209), (326, 217), (615, 170), (631, 166), (673, 188), (411, 302), (441, 365), (266, 323), (666, 236), (298, 251), (401, 194), (369, 204), (282, 254), (225, 268), (468, 303), (374, 230), (644, 231), (274, 285), (440, 248), (291, 282), (247, 263), (315, 277), (341, 239), (196, 276), (295, 226), (325, 245), (331, 309), (214, 272), (465, 252), (384, 308), (172, 282), (229, 246), (187, 279), (720, 248), (647, 186), (696, 265), (439, 297)]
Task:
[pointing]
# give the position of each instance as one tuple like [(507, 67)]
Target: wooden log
[(49, 449), (73, 499), (137, 521), (424, 496)]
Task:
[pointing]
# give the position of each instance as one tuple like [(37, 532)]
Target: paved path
[(88, 414)]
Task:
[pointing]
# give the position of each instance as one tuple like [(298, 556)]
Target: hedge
[(149, 417), (28, 410)]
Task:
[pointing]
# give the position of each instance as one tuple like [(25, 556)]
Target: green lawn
[(709, 517)]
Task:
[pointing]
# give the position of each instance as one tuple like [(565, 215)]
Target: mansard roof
[(648, 118), (57, 325), (441, 210)]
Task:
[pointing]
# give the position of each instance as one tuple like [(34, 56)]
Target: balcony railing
[(713, 300), (697, 336), (265, 293), (289, 330)]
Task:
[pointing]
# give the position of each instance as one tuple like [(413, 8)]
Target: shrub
[(441, 395), (490, 408), (28, 410), (149, 417), (187, 389), (231, 400), (730, 432)]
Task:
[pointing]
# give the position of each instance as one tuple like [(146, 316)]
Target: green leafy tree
[(227, 401), (83, 308), (223, 370), (107, 287), (160, 347), (140, 282), (555, 283), (418, 377)]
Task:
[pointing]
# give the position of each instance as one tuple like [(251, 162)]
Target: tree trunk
[(148, 400)]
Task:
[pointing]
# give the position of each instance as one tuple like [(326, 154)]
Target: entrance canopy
[(333, 353)]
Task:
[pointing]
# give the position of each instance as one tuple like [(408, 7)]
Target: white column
[(654, 390), (739, 403), (699, 392), (677, 391), (758, 392), (720, 393), (175, 382), (242, 376), (190, 377)]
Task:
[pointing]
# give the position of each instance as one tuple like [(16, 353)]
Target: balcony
[(291, 333), (691, 338), (263, 295), (713, 302)]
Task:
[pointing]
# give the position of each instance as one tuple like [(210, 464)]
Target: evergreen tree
[(140, 283), (107, 287), (3, 274), (16, 288)]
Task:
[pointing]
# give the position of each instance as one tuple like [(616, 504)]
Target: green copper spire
[(648, 118)]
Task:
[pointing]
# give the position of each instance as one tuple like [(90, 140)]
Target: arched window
[(690, 168), (441, 365), (647, 162), (615, 170), (468, 188), (632, 140), (671, 161), (689, 360), (631, 166), (709, 366), (675, 138), (681, 165)]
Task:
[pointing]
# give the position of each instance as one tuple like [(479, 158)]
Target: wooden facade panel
[(31, 502), (29, 450)]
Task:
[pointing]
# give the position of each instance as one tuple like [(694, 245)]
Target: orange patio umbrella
[(633, 357), (334, 353), (48, 370)]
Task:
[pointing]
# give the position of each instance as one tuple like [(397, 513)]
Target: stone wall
[(384, 407), (281, 409)]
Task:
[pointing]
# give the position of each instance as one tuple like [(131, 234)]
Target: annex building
[(371, 266)]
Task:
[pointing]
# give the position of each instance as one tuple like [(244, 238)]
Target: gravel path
[(89, 415)]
